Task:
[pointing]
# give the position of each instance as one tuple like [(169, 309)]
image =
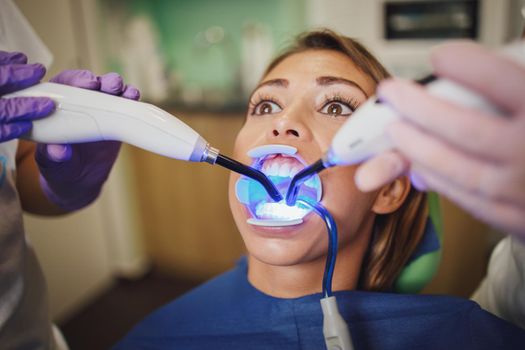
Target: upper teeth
[(284, 167)]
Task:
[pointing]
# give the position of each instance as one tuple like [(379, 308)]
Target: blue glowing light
[(280, 211), (261, 206)]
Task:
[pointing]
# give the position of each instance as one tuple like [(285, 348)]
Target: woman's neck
[(306, 278)]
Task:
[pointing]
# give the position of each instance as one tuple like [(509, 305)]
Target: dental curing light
[(363, 134), (83, 115)]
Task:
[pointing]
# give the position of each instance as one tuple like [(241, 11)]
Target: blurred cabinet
[(187, 223)]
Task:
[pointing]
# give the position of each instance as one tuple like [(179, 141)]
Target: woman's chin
[(285, 245), (277, 255)]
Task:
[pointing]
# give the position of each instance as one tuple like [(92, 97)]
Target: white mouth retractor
[(242, 190)]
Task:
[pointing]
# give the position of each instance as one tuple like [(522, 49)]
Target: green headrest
[(420, 271)]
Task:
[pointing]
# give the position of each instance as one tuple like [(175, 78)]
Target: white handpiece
[(363, 135), (83, 116)]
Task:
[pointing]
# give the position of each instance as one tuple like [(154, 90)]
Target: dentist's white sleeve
[(502, 292)]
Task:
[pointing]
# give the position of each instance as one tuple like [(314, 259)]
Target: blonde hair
[(396, 235)]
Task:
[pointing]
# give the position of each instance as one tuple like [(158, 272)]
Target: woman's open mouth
[(280, 164)]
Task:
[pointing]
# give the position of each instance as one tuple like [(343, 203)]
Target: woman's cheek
[(344, 201)]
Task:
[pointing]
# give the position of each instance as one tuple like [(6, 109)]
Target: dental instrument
[(363, 134), (335, 330), (83, 115)]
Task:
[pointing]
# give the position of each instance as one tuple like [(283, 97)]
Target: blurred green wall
[(178, 23)]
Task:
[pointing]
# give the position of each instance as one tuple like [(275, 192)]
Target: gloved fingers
[(12, 58), (380, 170), (493, 75), (15, 77), (58, 153), (131, 92), (505, 215), (78, 78), (418, 182), (14, 130), (429, 155), (466, 128), (24, 108), (111, 83)]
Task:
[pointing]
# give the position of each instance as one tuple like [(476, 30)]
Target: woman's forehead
[(311, 64)]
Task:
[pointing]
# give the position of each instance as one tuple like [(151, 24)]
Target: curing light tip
[(251, 173), (300, 178)]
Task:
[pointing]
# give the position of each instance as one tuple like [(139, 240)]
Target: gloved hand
[(17, 113), (475, 159), (72, 176)]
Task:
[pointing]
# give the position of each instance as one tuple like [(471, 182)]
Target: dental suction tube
[(83, 115), (363, 134)]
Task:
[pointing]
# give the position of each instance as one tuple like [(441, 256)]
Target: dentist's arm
[(502, 290), (475, 159)]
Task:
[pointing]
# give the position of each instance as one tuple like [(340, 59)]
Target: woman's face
[(302, 102)]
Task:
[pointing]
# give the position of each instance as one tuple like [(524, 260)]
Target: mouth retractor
[(212, 156), (279, 164)]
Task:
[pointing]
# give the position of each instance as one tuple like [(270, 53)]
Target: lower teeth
[(279, 211)]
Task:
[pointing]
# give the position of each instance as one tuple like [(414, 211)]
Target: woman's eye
[(266, 107), (336, 109)]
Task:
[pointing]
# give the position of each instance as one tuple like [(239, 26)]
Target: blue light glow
[(261, 206), (280, 211)]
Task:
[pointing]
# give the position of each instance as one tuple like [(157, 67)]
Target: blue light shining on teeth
[(262, 207), (280, 211)]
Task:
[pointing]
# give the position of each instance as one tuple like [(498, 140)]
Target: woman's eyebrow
[(274, 82), (330, 80)]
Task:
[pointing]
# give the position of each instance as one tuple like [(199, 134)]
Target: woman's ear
[(390, 197)]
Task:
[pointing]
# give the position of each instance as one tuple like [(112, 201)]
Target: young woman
[(271, 298)]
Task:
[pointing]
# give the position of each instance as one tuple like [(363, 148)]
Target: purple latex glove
[(72, 176), (17, 113)]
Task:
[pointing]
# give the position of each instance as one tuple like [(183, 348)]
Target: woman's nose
[(287, 127)]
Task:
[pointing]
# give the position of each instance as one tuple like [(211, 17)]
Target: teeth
[(294, 171), (274, 169), (266, 169), (281, 167), (280, 211), (284, 170)]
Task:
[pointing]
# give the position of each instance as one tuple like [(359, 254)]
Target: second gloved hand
[(72, 176), (475, 158)]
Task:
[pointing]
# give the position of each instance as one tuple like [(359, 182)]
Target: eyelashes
[(351, 102), (257, 100), (341, 106)]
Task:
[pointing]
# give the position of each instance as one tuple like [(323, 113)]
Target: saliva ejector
[(363, 134), (85, 116)]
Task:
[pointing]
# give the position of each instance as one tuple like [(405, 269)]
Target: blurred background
[(162, 226)]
